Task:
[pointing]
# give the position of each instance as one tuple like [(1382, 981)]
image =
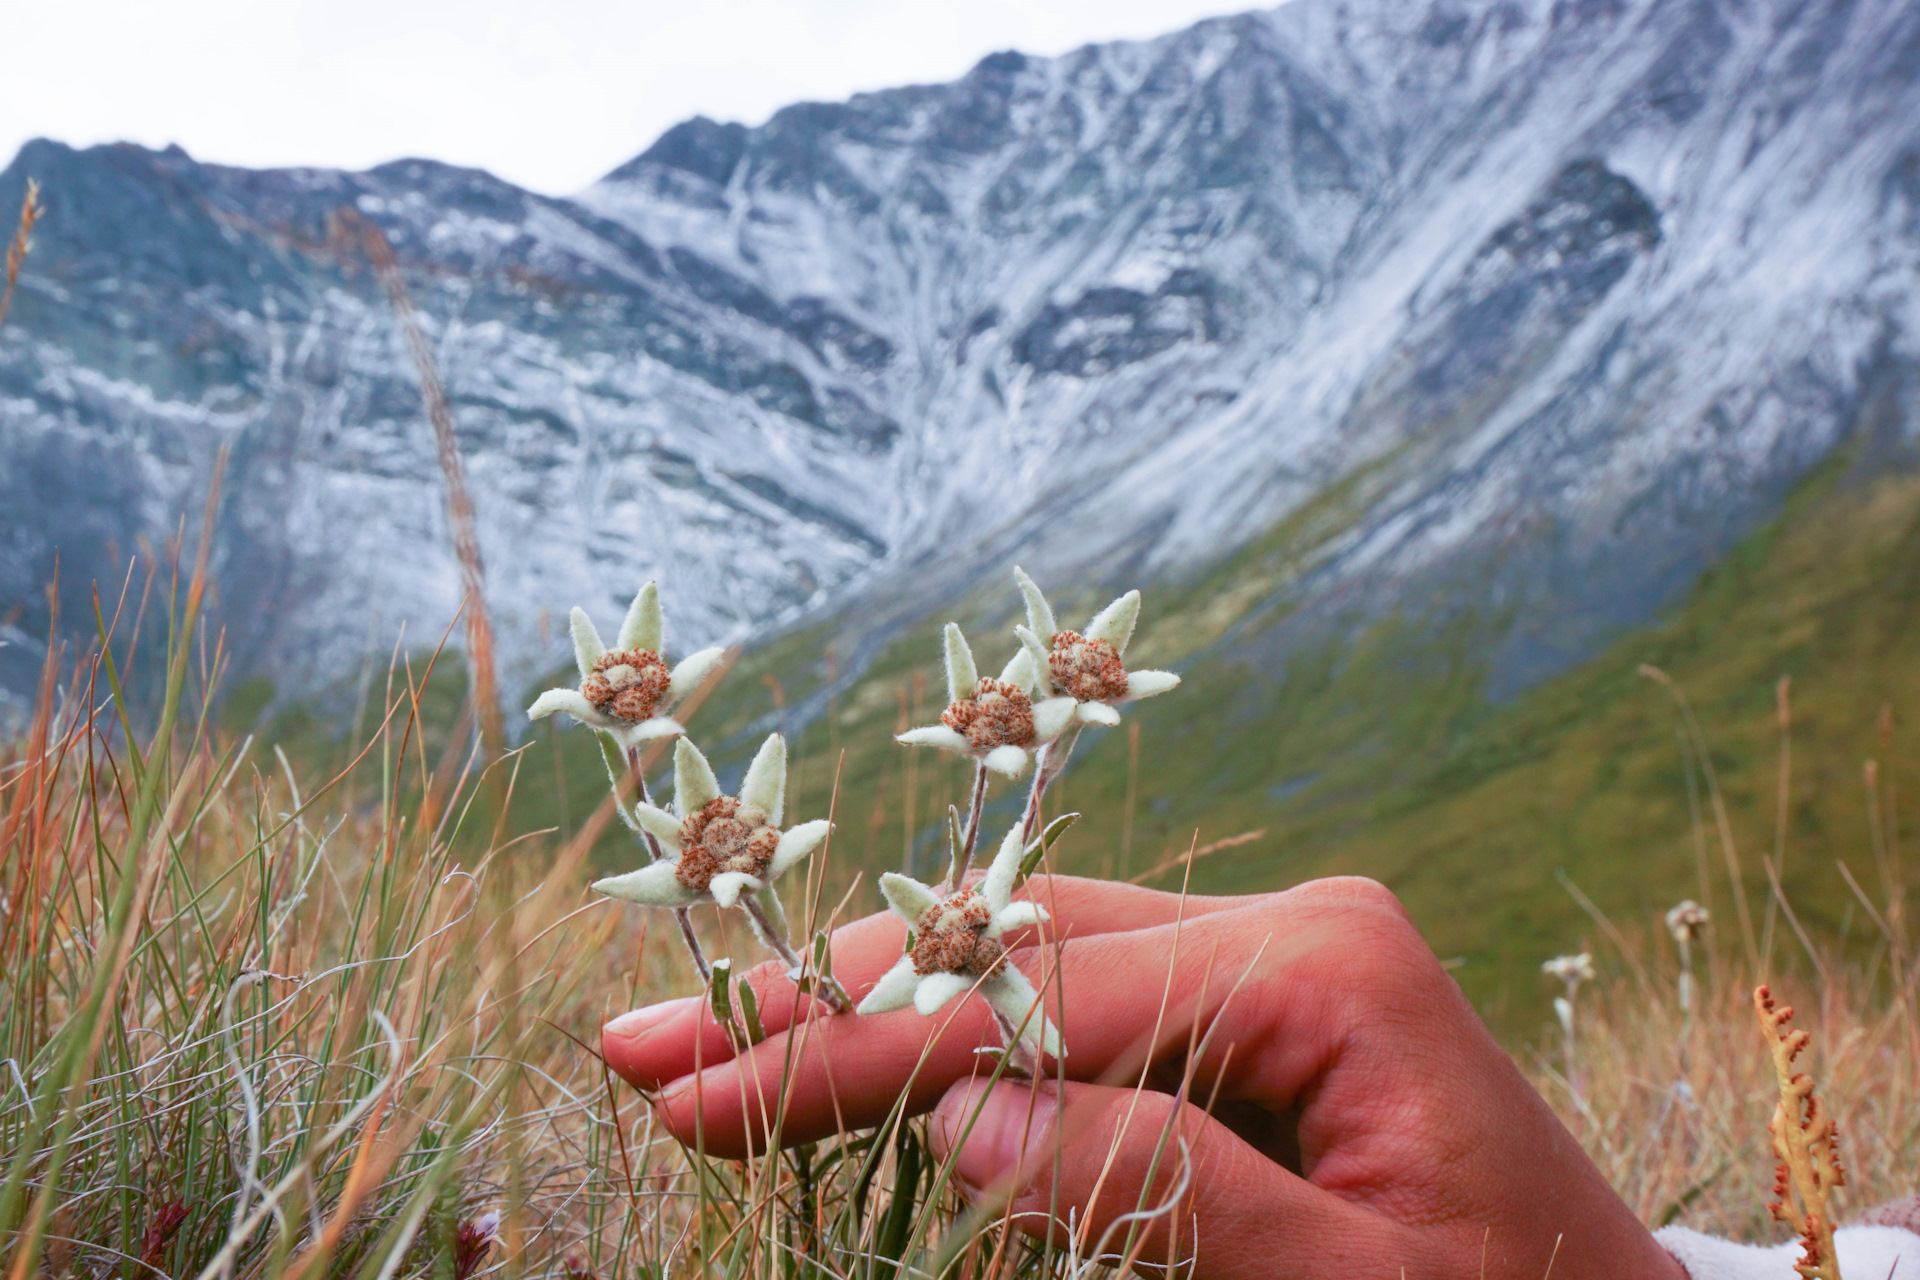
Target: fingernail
[(631, 1026), (1001, 1133)]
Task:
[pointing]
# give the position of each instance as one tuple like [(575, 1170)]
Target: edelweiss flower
[(1687, 921), (626, 692), (956, 948), (993, 721), (717, 847), (1572, 970), (1087, 667)]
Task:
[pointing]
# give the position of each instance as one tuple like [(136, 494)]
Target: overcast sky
[(548, 93)]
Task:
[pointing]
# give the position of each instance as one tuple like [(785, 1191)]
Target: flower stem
[(972, 840), (1021, 1059), (1053, 760), (828, 986), (683, 916)]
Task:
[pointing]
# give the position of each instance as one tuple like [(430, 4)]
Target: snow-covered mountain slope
[(1567, 292)]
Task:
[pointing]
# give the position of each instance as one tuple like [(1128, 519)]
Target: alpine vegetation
[(725, 850), (730, 851), (626, 692), (623, 696), (955, 946)]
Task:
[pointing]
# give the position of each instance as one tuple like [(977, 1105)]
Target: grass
[(265, 1024), (1676, 1109), (257, 1024)]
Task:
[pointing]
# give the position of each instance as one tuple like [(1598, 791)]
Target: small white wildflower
[(1572, 970), (627, 691), (720, 848), (957, 948), (1687, 921), (1087, 667), (995, 722)]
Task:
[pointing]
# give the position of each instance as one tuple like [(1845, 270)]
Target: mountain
[(1548, 303)]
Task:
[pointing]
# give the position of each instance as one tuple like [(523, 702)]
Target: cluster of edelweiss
[(730, 850)]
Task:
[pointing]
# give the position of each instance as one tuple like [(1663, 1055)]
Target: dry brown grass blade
[(1194, 855), (30, 211), (460, 515)]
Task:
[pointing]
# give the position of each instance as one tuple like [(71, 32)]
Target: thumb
[(1121, 1172)]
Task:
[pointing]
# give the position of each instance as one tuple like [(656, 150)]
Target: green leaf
[(1040, 847), (750, 1014)]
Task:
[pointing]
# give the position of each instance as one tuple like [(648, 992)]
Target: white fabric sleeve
[(1866, 1253)]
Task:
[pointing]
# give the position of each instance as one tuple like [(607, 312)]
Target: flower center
[(995, 714), (725, 836), (627, 685), (1089, 670), (951, 937)]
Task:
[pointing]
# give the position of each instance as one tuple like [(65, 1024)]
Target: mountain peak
[(1546, 305)]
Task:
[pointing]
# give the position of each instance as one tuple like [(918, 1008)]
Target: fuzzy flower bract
[(720, 848), (1087, 666), (957, 947), (627, 691), (995, 722)]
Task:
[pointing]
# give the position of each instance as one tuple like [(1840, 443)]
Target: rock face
[(1567, 293)]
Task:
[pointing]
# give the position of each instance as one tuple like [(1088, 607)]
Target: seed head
[(1089, 670), (952, 937), (726, 835), (627, 684), (996, 714)]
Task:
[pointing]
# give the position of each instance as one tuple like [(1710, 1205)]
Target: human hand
[(1363, 1121)]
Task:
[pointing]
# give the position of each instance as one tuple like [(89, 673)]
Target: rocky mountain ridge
[(1563, 295)]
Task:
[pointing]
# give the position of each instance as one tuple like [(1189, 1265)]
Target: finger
[(664, 1042), (1279, 985), (1152, 1180)]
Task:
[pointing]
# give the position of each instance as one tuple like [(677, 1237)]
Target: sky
[(550, 94)]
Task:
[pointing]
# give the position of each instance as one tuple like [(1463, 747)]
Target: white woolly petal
[(894, 990), (1037, 654), (908, 897), (658, 727), (1011, 761), (729, 885), (936, 735), (1019, 671), (1018, 915), (937, 988), (1097, 713), (797, 844), (641, 628), (765, 786), (1144, 684), (962, 676), (574, 703), (1051, 716), (776, 915), (1114, 624), (662, 825), (1011, 993), (655, 886), (693, 670), (694, 786), (1039, 612), (997, 888), (587, 647)]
